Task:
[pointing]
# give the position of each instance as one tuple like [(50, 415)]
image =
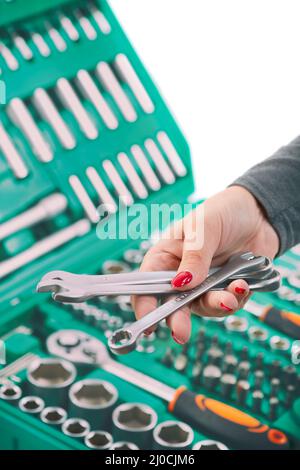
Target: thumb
[(193, 269)]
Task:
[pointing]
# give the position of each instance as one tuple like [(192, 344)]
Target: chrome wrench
[(124, 340), (68, 287), (68, 293), (135, 277)]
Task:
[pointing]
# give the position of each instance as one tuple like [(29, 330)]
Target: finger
[(240, 289), (180, 325), (215, 304), (192, 270), (156, 259), (198, 252), (161, 257), (247, 298), (144, 304)]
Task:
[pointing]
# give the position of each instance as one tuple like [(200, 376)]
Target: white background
[(230, 71)]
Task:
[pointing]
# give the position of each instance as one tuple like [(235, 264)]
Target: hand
[(233, 222)]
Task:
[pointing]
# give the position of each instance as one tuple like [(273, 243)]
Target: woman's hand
[(233, 222)]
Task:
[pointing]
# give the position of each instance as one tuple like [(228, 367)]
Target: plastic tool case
[(84, 123)]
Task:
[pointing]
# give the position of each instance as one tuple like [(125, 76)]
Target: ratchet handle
[(281, 320), (232, 426)]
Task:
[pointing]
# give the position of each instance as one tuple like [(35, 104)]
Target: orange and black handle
[(281, 320), (232, 426)]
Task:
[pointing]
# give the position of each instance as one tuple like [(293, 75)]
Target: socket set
[(65, 379), (84, 125)]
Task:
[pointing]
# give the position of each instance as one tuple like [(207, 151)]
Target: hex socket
[(125, 308), (123, 445), (98, 440), (53, 415), (93, 400), (10, 392), (172, 435), (115, 267), (50, 379), (134, 422), (31, 404), (76, 427), (209, 444)]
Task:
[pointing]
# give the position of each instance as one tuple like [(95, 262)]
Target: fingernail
[(240, 290), (147, 333), (178, 341), (228, 309), (182, 279)]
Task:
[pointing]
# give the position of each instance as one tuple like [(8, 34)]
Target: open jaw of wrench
[(67, 293), (134, 277), (68, 287), (124, 340)]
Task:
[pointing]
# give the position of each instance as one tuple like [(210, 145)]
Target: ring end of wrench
[(122, 341)]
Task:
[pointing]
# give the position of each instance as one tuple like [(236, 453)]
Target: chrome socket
[(114, 323), (125, 307), (10, 392), (50, 379), (257, 334), (93, 400), (209, 445), (123, 445), (53, 415), (146, 344), (172, 435), (133, 257), (31, 404), (145, 245), (277, 343), (134, 422), (115, 267), (236, 324), (76, 427), (98, 440), (99, 317), (211, 376)]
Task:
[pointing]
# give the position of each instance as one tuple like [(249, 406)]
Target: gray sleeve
[(275, 183)]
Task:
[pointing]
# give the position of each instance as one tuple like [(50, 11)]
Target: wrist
[(267, 235)]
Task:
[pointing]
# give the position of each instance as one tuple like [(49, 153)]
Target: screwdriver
[(284, 321), (215, 418), (212, 417)]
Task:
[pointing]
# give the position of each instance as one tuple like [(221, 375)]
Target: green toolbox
[(83, 127)]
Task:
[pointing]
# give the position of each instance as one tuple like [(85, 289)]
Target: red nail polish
[(225, 307), (240, 290), (181, 279), (178, 341)]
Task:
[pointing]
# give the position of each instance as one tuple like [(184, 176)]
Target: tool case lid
[(144, 131)]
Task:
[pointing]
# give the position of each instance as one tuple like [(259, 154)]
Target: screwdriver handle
[(230, 425), (281, 320)]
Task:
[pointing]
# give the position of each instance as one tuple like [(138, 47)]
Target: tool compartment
[(106, 118)]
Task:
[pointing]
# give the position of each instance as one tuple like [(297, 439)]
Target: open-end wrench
[(68, 287), (68, 293), (124, 340), (209, 416), (54, 278)]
